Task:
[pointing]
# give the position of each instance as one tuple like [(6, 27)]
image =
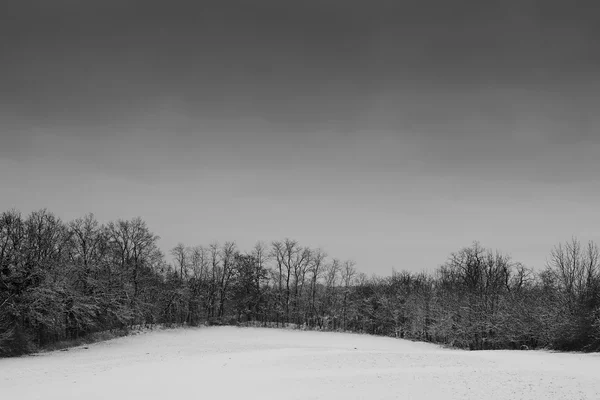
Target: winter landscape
[(301, 199), (260, 363)]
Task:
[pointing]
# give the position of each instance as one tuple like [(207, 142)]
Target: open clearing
[(254, 363)]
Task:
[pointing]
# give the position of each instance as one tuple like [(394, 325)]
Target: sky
[(388, 132)]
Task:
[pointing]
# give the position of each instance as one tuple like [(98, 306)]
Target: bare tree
[(348, 274), (330, 302), (291, 261), (199, 265), (316, 266), (199, 261), (87, 250), (228, 252), (180, 253), (260, 252), (574, 267), (573, 279), (215, 268), (300, 267), (278, 254)]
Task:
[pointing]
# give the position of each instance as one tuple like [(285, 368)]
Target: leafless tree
[(316, 266), (574, 267), (329, 305), (180, 254), (261, 255), (228, 252), (348, 273), (215, 269)]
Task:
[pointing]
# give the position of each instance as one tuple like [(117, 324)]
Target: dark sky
[(390, 132)]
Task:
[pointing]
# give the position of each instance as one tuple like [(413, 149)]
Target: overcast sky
[(388, 132)]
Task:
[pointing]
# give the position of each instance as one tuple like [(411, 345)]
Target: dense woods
[(61, 281)]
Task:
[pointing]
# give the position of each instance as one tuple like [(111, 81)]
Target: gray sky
[(388, 132)]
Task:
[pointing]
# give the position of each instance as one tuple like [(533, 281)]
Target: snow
[(255, 363)]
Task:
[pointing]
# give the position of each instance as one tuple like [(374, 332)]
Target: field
[(256, 363)]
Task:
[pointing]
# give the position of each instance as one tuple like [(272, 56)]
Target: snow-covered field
[(253, 363)]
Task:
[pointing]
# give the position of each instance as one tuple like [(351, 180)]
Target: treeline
[(62, 281)]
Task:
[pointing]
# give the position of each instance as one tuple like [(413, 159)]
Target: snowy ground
[(252, 363)]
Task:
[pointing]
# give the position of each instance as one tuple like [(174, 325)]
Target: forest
[(61, 281)]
